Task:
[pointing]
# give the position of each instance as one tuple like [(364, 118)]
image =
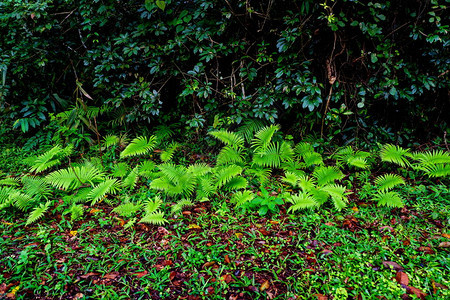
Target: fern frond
[(319, 195), (231, 139), (11, 181), (236, 183), (38, 213), (264, 137), (351, 158), (395, 154), (388, 181), (338, 195), (76, 212), (108, 186), (181, 204), (127, 209), (36, 187), (312, 158), (152, 205), (262, 174), (49, 159), (432, 157), (242, 197), (225, 174), (110, 140), (120, 169), (303, 148), (21, 201), (199, 169), (81, 196), (139, 146), (390, 199), (325, 175), (146, 168), (268, 157), (163, 133), (132, 178), (290, 178), (172, 172), (74, 177), (206, 187), (302, 200), (439, 170), (306, 183), (167, 154), (248, 129), (230, 155), (5, 193), (156, 218)]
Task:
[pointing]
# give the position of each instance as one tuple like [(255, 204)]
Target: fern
[(36, 187), (230, 155), (231, 139), (11, 181), (325, 175), (242, 197), (303, 148), (303, 200), (306, 183), (109, 186), (338, 195), (236, 183), (21, 201), (263, 137), (351, 158), (437, 170), (139, 146), (147, 168), (261, 174), (249, 128), (291, 179), (181, 204), (390, 199), (388, 181), (120, 169), (132, 178), (225, 174), (127, 209), (49, 159), (110, 140), (395, 154), (156, 218), (167, 154), (74, 177), (152, 205), (38, 213), (432, 157), (312, 158), (76, 211)]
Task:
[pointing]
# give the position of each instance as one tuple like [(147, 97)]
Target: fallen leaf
[(78, 296), (121, 221), (210, 290), (94, 210), (264, 286), (31, 244), (444, 235), (186, 213), (168, 263), (264, 232), (444, 244), (238, 235), (89, 275), (327, 252), (226, 278), (402, 278), (329, 224), (141, 274), (193, 226), (163, 231), (7, 223), (73, 232), (394, 265), (208, 264), (321, 297), (355, 209), (172, 275), (274, 222), (412, 290), (111, 275), (3, 288), (427, 250), (227, 259)]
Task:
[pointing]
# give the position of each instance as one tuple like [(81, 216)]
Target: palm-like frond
[(11, 181), (108, 186), (156, 218), (38, 213), (21, 201), (181, 204), (390, 199), (306, 183), (388, 181), (139, 146), (49, 159), (74, 177), (353, 158), (303, 200), (199, 169), (231, 139), (230, 155), (395, 154), (153, 205), (432, 157), (262, 174), (290, 178), (312, 158), (132, 178), (36, 187), (110, 140), (76, 211), (236, 183), (146, 168), (338, 195), (325, 175), (120, 169), (167, 154), (127, 209), (439, 170), (225, 174), (264, 137), (248, 129), (303, 148), (242, 197)]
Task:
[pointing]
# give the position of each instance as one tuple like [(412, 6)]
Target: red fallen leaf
[(412, 290), (168, 263), (444, 244), (329, 224), (172, 275), (389, 228), (3, 288), (227, 259), (141, 274), (199, 209), (327, 252), (89, 275), (321, 297), (31, 244), (163, 231), (121, 221), (264, 232), (186, 213), (111, 275), (427, 250), (210, 290), (402, 278), (446, 235), (226, 278), (394, 265), (406, 243), (208, 264), (264, 286)]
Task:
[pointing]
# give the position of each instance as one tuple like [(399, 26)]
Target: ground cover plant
[(264, 218)]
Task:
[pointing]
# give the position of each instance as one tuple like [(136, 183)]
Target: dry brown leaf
[(111, 275), (141, 274), (208, 264), (172, 275), (394, 265), (227, 259), (412, 290), (402, 278), (444, 244), (446, 235), (426, 250), (89, 275), (321, 297), (264, 286)]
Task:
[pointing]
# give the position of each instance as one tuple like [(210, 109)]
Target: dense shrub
[(343, 68)]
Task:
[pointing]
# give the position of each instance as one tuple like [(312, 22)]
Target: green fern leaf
[(21, 201), (11, 181), (242, 197), (225, 174), (167, 154), (312, 158), (395, 154), (36, 187), (139, 146), (146, 169), (127, 209), (390, 199), (110, 140), (181, 204), (120, 169), (302, 149), (38, 213), (231, 139), (49, 159), (338, 195), (249, 127), (290, 178), (73, 177), (388, 181), (306, 184), (439, 170), (262, 174), (325, 175), (302, 200), (109, 186), (199, 169), (432, 157), (263, 137), (236, 183), (156, 218), (76, 212), (152, 205), (132, 178), (230, 155)]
